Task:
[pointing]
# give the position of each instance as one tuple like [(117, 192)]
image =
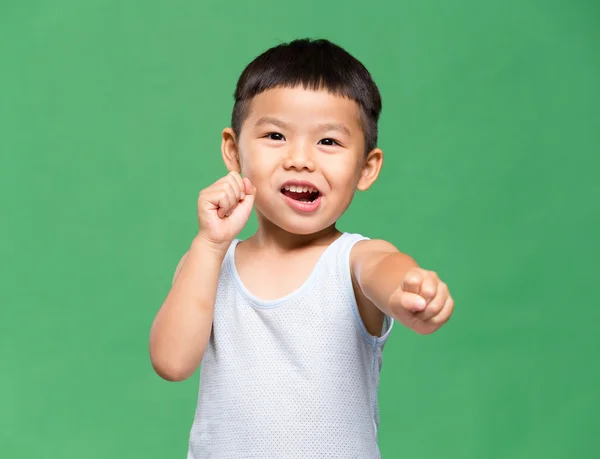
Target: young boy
[(290, 324)]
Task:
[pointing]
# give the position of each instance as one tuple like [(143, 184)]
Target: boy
[(290, 324)]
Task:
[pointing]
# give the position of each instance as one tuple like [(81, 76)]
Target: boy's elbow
[(170, 368), (170, 372), (169, 361), (173, 377)]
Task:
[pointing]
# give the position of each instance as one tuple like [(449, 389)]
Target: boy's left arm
[(397, 286)]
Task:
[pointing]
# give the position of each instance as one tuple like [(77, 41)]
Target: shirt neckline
[(307, 284)]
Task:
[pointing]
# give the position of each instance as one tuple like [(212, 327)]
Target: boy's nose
[(299, 159)]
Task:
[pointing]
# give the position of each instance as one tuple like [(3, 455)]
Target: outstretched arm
[(396, 285)]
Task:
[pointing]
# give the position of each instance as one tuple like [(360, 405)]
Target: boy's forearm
[(382, 278), (396, 285), (182, 327)]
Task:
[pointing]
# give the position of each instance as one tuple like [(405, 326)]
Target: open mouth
[(300, 193)]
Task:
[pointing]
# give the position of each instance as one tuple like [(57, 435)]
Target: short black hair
[(314, 64)]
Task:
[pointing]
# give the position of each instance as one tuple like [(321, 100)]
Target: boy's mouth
[(302, 193)]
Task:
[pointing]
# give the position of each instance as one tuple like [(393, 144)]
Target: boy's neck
[(271, 237)]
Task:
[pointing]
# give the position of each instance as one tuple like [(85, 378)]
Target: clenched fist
[(224, 208), (425, 299)]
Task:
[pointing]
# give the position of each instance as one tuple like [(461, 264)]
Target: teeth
[(300, 189)]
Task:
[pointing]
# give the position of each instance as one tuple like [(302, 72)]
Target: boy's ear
[(370, 169), (229, 150)]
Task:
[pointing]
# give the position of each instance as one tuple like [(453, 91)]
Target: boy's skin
[(299, 135)]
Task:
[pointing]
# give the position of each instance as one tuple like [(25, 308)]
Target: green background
[(110, 121)]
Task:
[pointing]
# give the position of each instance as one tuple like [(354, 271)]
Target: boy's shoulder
[(367, 252)]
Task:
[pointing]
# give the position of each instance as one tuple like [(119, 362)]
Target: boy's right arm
[(182, 326)]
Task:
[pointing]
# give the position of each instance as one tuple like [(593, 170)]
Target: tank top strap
[(332, 268), (335, 256), (338, 265), (338, 255)]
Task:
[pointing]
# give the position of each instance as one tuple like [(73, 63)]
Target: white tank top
[(292, 378)]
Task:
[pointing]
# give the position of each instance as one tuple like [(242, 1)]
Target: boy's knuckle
[(438, 319), (435, 320), (428, 291), (235, 184), (438, 307)]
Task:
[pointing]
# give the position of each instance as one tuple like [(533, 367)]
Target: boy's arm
[(182, 327), (397, 286)]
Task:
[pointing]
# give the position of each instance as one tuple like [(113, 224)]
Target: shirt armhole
[(388, 322)]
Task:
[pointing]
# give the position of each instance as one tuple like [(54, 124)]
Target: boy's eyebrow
[(321, 127), (270, 120), (334, 127)]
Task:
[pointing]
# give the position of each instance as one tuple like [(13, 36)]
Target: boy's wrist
[(202, 245)]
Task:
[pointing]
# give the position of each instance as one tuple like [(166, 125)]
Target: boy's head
[(314, 65), (304, 131)]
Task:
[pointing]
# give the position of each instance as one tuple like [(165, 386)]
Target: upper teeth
[(299, 189)]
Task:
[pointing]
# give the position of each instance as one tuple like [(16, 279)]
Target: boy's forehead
[(304, 105)]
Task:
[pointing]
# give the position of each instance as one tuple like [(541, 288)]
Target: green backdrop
[(110, 121)]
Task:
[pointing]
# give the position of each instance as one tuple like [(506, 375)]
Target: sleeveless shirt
[(291, 378)]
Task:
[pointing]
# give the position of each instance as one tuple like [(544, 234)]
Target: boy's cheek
[(257, 169), (250, 161)]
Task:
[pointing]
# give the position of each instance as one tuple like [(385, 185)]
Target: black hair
[(314, 64)]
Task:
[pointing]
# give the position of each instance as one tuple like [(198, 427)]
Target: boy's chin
[(299, 229), (301, 226)]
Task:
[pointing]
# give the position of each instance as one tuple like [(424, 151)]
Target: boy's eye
[(328, 142), (275, 136)]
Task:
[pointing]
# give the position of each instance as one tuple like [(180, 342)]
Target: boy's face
[(304, 152)]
